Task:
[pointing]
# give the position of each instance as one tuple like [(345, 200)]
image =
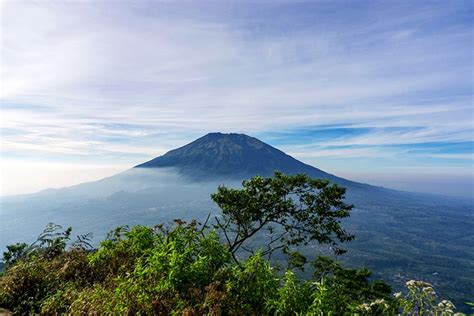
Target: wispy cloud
[(126, 81)]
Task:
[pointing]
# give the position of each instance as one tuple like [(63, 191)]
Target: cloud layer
[(117, 82)]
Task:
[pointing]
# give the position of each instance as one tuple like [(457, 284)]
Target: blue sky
[(377, 91)]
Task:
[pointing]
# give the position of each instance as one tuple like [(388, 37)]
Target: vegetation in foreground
[(189, 268)]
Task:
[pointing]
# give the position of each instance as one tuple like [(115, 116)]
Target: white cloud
[(72, 72)]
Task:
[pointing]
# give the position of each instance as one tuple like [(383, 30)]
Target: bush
[(28, 283), (187, 270)]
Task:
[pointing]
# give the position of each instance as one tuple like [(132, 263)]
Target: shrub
[(187, 270)]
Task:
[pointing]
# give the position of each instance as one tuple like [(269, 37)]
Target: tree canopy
[(290, 209)]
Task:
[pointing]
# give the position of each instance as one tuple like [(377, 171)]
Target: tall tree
[(292, 209)]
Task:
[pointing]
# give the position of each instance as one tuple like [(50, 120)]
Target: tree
[(293, 209), (14, 253)]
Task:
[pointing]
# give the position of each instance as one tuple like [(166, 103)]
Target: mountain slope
[(218, 155)]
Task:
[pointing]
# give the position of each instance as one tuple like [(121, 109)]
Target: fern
[(83, 242)]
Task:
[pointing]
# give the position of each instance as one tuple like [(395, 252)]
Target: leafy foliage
[(50, 242), (351, 285), (83, 242), (187, 270), (15, 253), (293, 209)]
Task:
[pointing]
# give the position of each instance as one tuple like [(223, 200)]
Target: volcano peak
[(233, 155)]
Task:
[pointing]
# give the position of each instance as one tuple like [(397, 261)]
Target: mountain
[(399, 235), (218, 155)]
